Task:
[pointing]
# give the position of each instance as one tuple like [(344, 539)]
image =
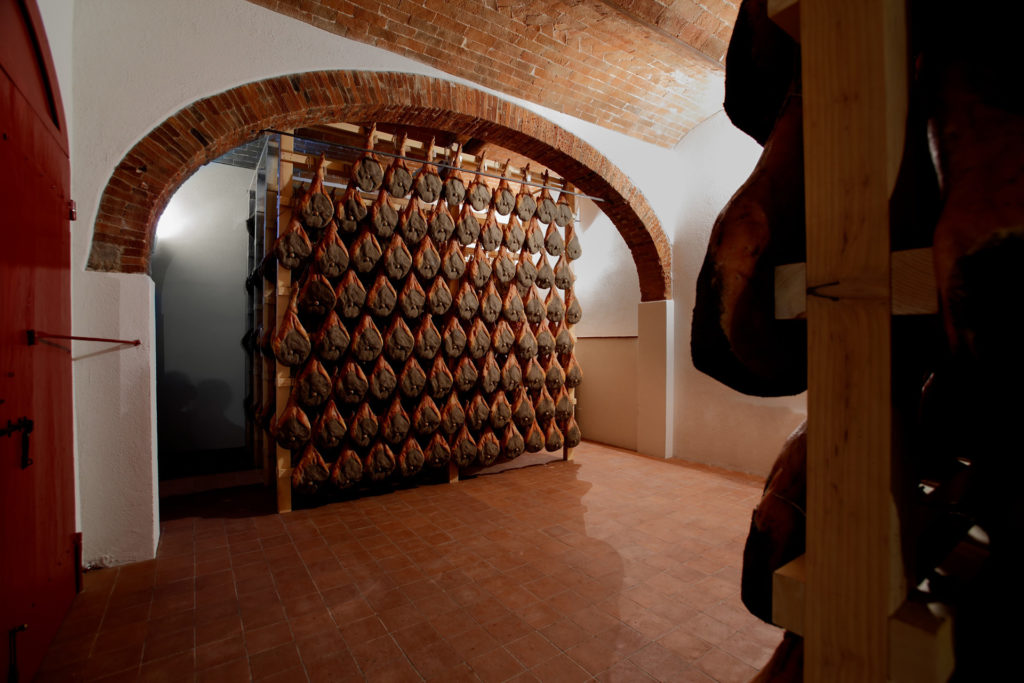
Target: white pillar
[(655, 370)]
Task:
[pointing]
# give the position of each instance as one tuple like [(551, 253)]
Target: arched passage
[(143, 182)]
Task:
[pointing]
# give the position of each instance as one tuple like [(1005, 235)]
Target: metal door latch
[(25, 426)]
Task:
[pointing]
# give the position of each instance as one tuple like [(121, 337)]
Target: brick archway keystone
[(144, 181)]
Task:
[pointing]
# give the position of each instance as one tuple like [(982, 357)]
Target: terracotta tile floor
[(612, 567)]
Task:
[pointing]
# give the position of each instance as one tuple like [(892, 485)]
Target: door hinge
[(72, 210)]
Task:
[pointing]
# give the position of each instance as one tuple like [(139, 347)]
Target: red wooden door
[(37, 558)]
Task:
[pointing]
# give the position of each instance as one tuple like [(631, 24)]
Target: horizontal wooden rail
[(35, 335)]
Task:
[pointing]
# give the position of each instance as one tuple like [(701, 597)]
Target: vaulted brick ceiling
[(651, 69)]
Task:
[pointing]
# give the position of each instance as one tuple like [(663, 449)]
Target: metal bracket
[(25, 426)]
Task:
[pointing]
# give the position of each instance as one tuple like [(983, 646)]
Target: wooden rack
[(846, 595), (273, 378)]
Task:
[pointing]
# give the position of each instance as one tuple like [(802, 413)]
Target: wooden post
[(854, 80), (268, 292), (568, 452), (283, 293)]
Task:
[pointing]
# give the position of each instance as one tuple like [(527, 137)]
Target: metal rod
[(433, 163), (33, 335)]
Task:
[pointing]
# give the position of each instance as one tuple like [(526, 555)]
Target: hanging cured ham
[(467, 228), (395, 425), (502, 338), (463, 448), (290, 343), (563, 273), (477, 412), (412, 299), (553, 242), (453, 416), (523, 413), (563, 211), (366, 340), (565, 342), (381, 298), (544, 405), (545, 278), (514, 235), (350, 295), (545, 340), (526, 271), (347, 470), (365, 251), (504, 267), (554, 375), (350, 384), (314, 207), (398, 178), (479, 268), (440, 224), (526, 205), (398, 341), (412, 224), (490, 374), (512, 443), (427, 260), (553, 439), (379, 463), (412, 458), (292, 247), (330, 254), (555, 307), (437, 452), (545, 204), (440, 379), (310, 472), (526, 343), (428, 183), (501, 411), (573, 312), (316, 295), (454, 339), (488, 448), (313, 385), (534, 240), (367, 171), (563, 406), (412, 380), (439, 298), (350, 210), (479, 194), (453, 265), (426, 418), (466, 375), (533, 375), (427, 340), (490, 231), (397, 258), (382, 217), (363, 426), (573, 373), (454, 188), (382, 380), (466, 302), (329, 429), (291, 429), (512, 306), (572, 434), (504, 200), (534, 438), (478, 340), (573, 249), (490, 304), (511, 374)]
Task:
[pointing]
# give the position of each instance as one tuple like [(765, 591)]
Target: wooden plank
[(920, 644), (854, 81), (786, 13), (789, 595), (284, 281), (914, 291)]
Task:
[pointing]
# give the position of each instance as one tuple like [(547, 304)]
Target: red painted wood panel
[(37, 561)]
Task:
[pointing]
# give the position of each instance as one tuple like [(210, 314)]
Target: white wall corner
[(655, 383)]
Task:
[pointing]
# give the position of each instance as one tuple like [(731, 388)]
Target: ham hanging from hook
[(428, 183), (367, 172), (398, 179), (314, 207)]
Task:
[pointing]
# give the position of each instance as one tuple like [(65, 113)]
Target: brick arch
[(144, 181)]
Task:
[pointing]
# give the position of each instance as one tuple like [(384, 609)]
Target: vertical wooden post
[(854, 80), (283, 292), (268, 292), (568, 452)]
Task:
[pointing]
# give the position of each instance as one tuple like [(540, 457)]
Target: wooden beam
[(854, 81), (914, 291), (284, 287), (789, 595)]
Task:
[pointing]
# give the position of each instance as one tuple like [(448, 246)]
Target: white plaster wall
[(115, 412), (605, 410), (713, 423), (607, 284)]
